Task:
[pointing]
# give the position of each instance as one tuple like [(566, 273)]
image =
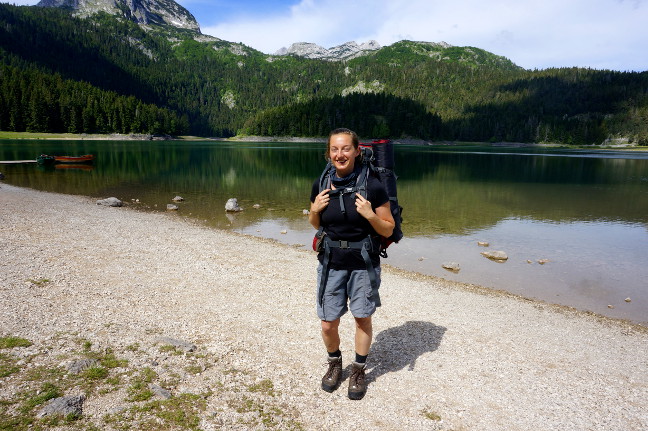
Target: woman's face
[(343, 153)]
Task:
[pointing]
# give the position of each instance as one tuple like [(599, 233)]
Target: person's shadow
[(399, 347)]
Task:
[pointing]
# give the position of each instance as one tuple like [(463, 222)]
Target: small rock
[(610, 306), (283, 232), (76, 367), (451, 266), (63, 406), (184, 345), (256, 206), (529, 261), (232, 205), (178, 199), (483, 243), (495, 255), (305, 212), (160, 391), (171, 207), (421, 259), (543, 261), (110, 202), (628, 300)]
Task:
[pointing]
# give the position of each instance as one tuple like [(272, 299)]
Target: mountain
[(145, 12), (346, 51), (112, 74)]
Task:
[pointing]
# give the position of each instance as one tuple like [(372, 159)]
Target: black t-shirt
[(350, 226)]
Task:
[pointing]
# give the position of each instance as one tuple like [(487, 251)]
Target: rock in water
[(495, 255), (451, 266), (232, 205)]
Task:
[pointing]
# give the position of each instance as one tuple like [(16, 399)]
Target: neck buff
[(348, 181)]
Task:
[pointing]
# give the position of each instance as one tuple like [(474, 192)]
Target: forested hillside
[(105, 75)]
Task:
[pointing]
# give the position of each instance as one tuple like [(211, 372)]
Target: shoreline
[(402, 141), (446, 356)]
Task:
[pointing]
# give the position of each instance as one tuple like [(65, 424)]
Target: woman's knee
[(330, 327), (363, 323)]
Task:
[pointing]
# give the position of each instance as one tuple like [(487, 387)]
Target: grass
[(7, 365), (139, 389), (429, 414), (30, 381), (44, 135), (10, 342)]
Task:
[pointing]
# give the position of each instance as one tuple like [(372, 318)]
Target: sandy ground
[(472, 358)]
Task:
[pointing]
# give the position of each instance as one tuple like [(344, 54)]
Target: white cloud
[(21, 2), (533, 33), (602, 34)]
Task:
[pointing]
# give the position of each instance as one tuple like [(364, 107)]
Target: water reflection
[(519, 199)]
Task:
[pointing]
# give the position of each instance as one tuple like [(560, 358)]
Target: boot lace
[(358, 376)]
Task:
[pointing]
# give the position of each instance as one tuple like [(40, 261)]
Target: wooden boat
[(87, 158)]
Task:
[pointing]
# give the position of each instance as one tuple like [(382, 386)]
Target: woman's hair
[(354, 140)]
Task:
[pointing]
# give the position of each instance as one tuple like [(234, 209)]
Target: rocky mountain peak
[(160, 12), (346, 51)]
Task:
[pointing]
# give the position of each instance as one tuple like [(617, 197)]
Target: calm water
[(586, 212)]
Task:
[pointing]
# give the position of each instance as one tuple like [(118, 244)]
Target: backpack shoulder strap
[(325, 178)]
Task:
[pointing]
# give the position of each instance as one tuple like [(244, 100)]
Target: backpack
[(377, 160)]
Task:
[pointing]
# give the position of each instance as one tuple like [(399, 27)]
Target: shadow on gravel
[(399, 347)]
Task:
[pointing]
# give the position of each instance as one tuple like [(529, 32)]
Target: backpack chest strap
[(341, 193)]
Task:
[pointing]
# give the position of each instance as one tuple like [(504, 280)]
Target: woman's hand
[(363, 206), (321, 201), (319, 205), (381, 220)]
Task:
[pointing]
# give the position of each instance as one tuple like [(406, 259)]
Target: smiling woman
[(348, 275)]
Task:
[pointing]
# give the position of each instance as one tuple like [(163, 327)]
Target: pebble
[(451, 266), (495, 255)]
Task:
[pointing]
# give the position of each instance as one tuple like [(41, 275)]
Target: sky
[(534, 34)]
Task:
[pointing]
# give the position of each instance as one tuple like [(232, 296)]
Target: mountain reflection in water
[(586, 212)]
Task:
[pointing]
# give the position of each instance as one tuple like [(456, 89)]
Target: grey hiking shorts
[(347, 286)]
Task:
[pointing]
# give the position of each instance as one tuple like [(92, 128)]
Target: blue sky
[(535, 34)]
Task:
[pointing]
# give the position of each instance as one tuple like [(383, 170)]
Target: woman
[(349, 269)]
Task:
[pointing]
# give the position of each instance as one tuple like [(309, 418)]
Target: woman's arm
[(381, 220), (321, 202)]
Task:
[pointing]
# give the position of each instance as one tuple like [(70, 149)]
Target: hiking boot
[(357, 385), (333, 376)]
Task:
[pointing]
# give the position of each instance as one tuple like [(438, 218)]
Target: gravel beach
[(446, 356)]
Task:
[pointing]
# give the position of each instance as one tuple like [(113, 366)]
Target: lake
[(586, 212)]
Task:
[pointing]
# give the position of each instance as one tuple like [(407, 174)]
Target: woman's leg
[(363, 335), (331, 335)]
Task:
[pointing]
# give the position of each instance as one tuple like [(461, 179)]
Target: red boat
[(87, 158)]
